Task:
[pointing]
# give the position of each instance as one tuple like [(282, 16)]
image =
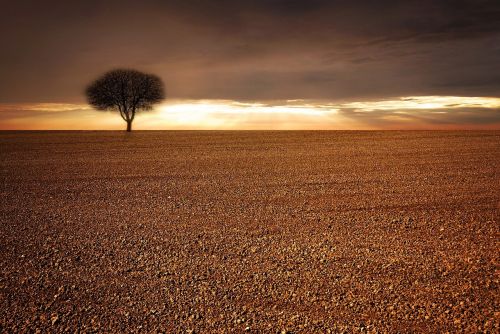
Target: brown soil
[(269, 232)]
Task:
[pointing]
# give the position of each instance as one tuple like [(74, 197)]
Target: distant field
[(269, 232)]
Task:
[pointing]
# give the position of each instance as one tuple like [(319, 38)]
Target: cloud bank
[(253, 50)]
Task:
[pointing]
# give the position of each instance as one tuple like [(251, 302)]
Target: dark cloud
[(253, 49), (468, 117)]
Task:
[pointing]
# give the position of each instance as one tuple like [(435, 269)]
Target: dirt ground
[(259, 232)]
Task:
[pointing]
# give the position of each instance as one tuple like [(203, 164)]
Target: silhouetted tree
[(126, 91)]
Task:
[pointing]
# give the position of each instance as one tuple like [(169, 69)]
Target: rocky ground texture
[(258, 232)]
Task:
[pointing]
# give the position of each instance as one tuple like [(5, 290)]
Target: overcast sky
[(253, 50)]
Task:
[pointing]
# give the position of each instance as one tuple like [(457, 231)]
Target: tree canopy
[(127, 91)]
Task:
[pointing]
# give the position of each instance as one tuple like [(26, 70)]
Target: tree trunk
[(129, 126)]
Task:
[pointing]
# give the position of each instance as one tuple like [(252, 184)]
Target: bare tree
[(127, 91)]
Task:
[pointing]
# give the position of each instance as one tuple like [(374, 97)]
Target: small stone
[(54, 319)]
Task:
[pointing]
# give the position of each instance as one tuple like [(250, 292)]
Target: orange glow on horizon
[(417, 112)]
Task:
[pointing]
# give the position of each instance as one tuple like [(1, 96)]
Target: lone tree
[(127, 91)]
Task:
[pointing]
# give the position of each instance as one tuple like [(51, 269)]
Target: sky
[(256, 64)]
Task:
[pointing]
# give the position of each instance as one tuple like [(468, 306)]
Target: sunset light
[(418, 111), (427, 102)]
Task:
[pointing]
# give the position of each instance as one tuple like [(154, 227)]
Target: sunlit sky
[(256, 64), (419, 112)]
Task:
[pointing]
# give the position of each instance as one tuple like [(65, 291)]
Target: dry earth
[(264, 232)]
